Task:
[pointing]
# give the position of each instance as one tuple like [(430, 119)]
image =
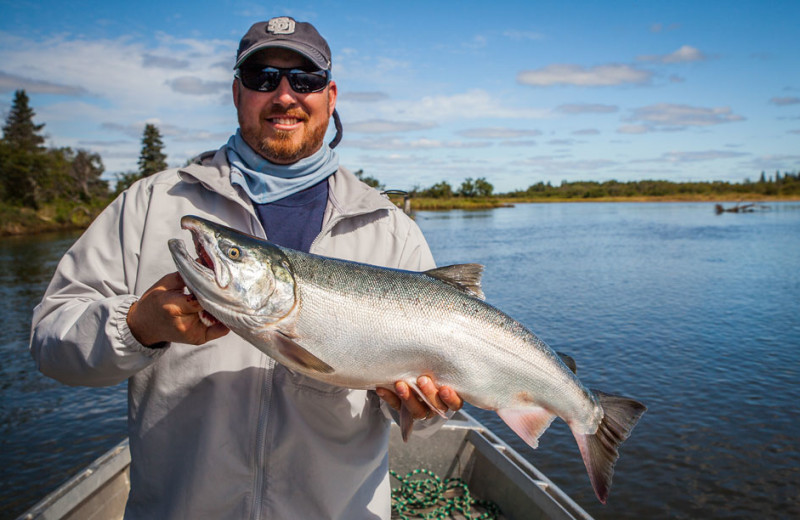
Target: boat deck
[(463, 448)]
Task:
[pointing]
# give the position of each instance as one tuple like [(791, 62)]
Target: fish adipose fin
[(599, 451), (464, 277), (529, 422), (296, 356)]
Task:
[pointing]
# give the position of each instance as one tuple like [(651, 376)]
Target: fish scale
[(361, 326)]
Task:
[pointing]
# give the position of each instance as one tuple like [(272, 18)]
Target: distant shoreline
[(445, 204), (28, 222)]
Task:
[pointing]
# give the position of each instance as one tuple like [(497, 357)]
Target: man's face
[(283, 126)]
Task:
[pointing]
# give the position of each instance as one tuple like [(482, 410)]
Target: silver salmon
[(366, 327)]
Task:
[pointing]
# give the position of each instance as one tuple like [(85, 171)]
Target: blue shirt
[(296, 220)]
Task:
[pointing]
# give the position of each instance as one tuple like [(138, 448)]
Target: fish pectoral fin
[(295, 355), (406, 422), (464, 277), (422, 397), (529, 422)]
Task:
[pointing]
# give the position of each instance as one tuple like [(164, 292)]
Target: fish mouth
[(195, 269)]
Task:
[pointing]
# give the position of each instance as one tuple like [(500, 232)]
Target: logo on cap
[(282, 25)]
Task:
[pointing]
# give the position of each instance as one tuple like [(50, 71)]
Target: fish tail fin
[(599, 450)]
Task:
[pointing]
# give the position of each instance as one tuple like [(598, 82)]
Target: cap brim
[(305, 50)]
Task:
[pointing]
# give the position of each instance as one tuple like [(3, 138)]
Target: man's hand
[(443, 398), (165, 313)]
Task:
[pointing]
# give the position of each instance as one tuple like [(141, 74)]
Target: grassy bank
[(434, 204), (15, 220)]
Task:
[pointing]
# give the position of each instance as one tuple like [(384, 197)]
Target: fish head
[(243, 281)]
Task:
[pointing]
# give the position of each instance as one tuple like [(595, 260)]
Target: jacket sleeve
[(79, 332)]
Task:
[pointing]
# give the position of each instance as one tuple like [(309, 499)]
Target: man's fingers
[(428, 388), (389, 397), (171, 281), (418, 409), (450, 398), (216, 331)]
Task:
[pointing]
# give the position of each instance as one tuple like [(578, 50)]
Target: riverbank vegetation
[(442, 196), (47, 189)]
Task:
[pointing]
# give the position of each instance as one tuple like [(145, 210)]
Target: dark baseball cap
[(284, 32)]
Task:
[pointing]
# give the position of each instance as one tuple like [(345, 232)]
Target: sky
[(516, 92)]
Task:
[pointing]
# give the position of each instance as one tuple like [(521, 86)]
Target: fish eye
[(234, 253)]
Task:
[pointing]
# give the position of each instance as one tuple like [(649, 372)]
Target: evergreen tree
[(20, 131), (152, 159), (23, 161)]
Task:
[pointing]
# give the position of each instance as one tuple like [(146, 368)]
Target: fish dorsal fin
[(294, 355), (464, 277), (567, 360)]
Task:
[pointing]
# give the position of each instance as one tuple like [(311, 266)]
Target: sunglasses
[(267, 79)]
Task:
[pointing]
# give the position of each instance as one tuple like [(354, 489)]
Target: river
[(695, 314)]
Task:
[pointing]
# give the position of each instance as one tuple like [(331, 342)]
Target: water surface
[(695, 314)]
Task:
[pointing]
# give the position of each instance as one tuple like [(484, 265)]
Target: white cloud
[(633, 129), (412, 144), (473, 104), (12, 82), (497, 133), (586, 131), (163, 62), (560, 164), (668, 116), (121, 70), (700, 156), (382, 126), (685, 54), (362, 97), (523, 35), (784, 101), (195, 86), (587, 108), (124, 81), (598, 76)]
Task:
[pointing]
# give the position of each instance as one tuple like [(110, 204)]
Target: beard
[(281, 146)]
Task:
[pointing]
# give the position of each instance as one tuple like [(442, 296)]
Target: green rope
[(429, 499)]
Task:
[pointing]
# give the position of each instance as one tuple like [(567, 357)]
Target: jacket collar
[(348, 196)]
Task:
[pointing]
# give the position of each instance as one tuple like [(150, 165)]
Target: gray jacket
[(219, 430)]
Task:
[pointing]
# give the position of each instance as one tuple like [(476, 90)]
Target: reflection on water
[(693, 313)]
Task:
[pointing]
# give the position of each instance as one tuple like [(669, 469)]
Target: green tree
[(483, 188), (152, 159), (467, 188), (23, 163), (20, 131), (440, 190)]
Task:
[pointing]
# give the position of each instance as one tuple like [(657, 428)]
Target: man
[(217, 429)]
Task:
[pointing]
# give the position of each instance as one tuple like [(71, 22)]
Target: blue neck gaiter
[(267, 182)]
